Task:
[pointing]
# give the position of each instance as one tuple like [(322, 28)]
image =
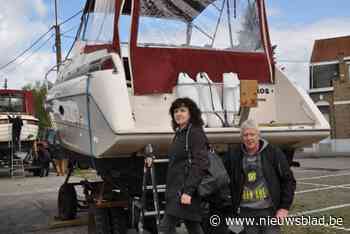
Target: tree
[(249, 36), (39, 92)]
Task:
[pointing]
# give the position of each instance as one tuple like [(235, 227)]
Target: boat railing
[(225, 107), (107, 61)]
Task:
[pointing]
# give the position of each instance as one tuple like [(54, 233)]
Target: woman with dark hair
[(182, 200)]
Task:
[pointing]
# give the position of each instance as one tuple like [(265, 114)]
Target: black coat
[(280, 179), (44, 157), (177, 182)]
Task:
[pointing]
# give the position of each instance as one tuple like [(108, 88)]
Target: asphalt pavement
[(28, 205)]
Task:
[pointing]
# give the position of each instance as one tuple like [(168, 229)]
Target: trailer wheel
[(102, 222), (67, 202), (110, 221), (149, 224)]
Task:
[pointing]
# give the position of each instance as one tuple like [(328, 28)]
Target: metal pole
[(229, 22), (188, 34), (218, 24), (58, 39)]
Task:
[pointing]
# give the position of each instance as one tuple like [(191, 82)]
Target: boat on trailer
[(112, 98), (17, 103), (133, 58)]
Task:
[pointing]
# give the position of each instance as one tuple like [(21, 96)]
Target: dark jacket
[(177, 181), (44, 157), (279, 177)]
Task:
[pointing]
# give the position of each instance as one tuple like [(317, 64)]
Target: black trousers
[(259, 229), (168, 225), (222, 214), (45, 169), (15, 139)]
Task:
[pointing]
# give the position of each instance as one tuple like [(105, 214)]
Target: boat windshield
[(231, 25), (98, 22), (11, 103)]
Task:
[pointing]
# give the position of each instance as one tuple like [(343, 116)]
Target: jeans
[(168, 225)]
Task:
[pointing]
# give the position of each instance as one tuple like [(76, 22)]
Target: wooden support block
[(111, 204), (55, 223)]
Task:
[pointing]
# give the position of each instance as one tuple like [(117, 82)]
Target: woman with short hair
[(262, 184)]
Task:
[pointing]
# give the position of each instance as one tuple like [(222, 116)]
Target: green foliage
[(39, 92)]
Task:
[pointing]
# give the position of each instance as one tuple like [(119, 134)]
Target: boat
[(13, 104), (111, 97), (131, 59)]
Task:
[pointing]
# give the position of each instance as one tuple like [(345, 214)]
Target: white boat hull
[(29, 132), (127, 143), (99, 116)]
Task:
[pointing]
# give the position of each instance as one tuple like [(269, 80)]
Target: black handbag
[(217, 176)]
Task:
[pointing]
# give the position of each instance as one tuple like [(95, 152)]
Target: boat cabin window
[(231, 25), (11, 103), (98, 22)]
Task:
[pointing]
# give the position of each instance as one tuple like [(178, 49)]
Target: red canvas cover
[(29, 103), (155, 70)]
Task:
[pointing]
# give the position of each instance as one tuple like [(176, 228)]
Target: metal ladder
[(17, 165), (149, 183), (17, 168)]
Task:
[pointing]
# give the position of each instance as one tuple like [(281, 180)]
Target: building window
[(322, 75)]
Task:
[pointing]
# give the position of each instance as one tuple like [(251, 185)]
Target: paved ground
[(27, 205), (323, 186)]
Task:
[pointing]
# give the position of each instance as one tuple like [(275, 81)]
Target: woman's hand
[(186, 199), (282, 214)]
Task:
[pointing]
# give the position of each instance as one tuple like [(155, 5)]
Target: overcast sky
[(294, 25)]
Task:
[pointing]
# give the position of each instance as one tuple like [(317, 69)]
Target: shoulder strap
[(187, 145)]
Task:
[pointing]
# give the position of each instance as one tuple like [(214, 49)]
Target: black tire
[(110, 221), (102, 221), (149, 224), (67, 202)]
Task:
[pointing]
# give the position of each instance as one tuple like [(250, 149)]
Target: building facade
[(330, 83)]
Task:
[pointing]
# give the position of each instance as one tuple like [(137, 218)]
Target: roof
[(330, 49), (12, 91), (180, 9)]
